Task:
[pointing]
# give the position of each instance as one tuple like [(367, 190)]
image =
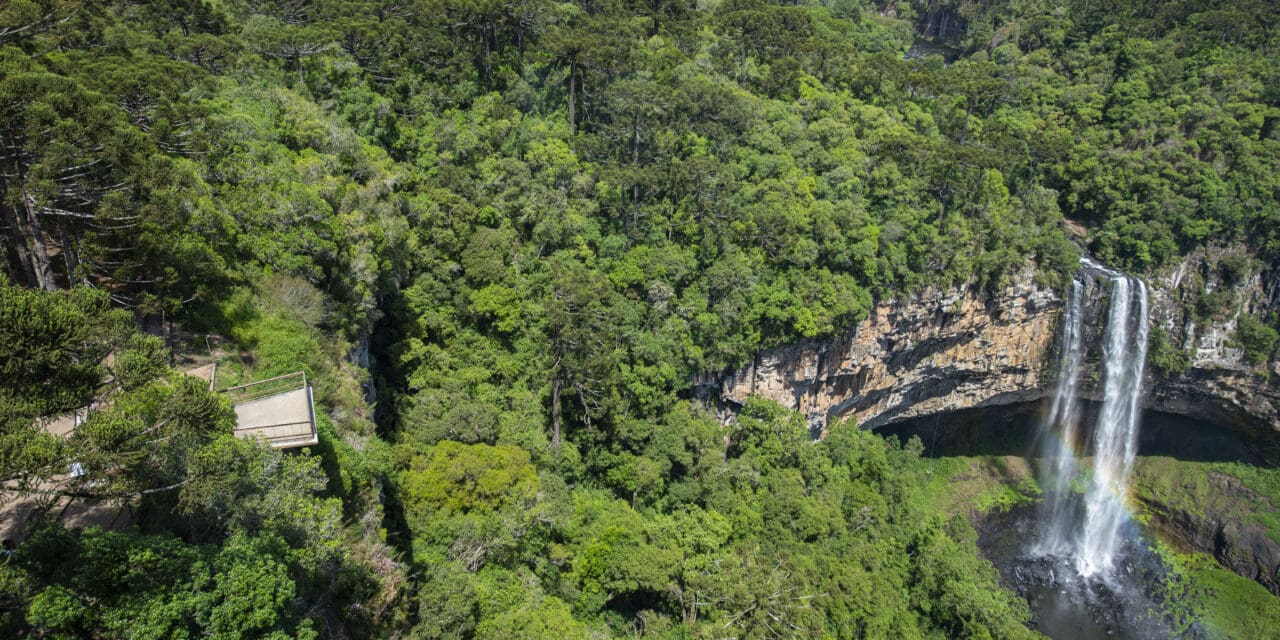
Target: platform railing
[(266, 388)]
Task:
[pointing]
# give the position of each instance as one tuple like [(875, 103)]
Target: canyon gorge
[(981, 351), (967, 347)]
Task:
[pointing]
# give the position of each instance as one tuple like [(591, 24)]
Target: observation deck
[(280, 409)]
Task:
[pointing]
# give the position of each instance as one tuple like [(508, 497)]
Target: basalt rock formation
[(934, 352), (942, 350), (1220, 385)]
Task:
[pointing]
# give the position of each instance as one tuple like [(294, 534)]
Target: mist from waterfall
[(1115, 441), (1092, 541), (1064, 416)]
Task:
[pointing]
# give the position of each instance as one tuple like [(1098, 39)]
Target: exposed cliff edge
[(945, 350), (937, 351), (1220, 386)]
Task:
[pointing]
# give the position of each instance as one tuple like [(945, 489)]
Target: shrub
[(1234, 269), (1167, 359), (1256, 338)]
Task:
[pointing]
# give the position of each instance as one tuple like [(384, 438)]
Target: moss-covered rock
[(1229, 511)]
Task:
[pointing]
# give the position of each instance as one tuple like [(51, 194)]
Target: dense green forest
[(502, 237)]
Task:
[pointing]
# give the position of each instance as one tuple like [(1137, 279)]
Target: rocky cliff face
[(937, 351), (1210, 512), (944, 350), (1220, 385)]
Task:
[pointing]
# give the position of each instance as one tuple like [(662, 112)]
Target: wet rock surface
[(1065, 606)]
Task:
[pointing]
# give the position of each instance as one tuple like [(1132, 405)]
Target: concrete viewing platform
[(279, 409)]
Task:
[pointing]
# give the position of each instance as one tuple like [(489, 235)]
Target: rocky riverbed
[(1127, 606)]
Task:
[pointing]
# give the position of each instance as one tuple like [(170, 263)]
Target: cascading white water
[(1057, 536), (1094, 542), (1115, 442)]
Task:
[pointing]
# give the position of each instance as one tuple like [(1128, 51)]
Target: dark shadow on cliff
[(1012, 431)]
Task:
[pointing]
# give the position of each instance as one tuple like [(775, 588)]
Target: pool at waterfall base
[(1125, 605)]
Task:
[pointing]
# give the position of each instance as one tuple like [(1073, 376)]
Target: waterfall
[(1116, 436), (1093, 543), (1056, 538)]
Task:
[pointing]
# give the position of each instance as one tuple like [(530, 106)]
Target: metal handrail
[(258, 390), (263, 427)]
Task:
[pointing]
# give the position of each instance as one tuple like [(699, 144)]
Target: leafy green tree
[(287, 39), (1166, 357), (53, 347), (25, 18), (548, 618), (120, 584), (768, 434), (579, 322), (65, 148), (246, 592), (140, 444), (239, 486), (1257, 339), (948, 586), (457, 478)]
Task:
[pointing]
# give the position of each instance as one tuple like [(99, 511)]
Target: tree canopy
[(504, 237)]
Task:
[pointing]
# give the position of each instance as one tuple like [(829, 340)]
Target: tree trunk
[(520, 27), (688, 604), (17, 262), (635, 157), (555, 412), (573, 72), (488, 57), (67, 253), (40, 265)]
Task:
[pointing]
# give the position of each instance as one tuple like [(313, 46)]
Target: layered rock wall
[(944, 350), (1220, 385), (937, 351)]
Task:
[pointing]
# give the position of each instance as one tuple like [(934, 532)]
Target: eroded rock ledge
[(944, 350), (938, 351)]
